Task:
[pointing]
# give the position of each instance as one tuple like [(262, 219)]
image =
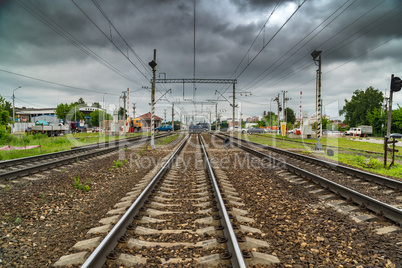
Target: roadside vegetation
[(49, 144), (372, 163)]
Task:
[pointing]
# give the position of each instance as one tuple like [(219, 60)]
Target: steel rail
[(99, 255), (370, 203), (41, 167), (233, 246), (395, 184), (73, 150)]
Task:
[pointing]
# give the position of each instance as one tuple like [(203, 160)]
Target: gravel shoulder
[(42, 219), (302, 230)]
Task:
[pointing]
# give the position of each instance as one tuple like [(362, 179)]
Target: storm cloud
[(72, 43)]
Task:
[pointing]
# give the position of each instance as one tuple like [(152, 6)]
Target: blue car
[(167, 128)]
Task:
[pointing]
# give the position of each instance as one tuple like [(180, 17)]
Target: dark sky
[(59, 51)]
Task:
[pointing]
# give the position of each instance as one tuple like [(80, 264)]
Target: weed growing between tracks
[(78, 185), (118, 163)]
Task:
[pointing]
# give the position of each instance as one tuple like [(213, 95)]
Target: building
[(146, 121), (229, 121), (30, 115), (253, 119)]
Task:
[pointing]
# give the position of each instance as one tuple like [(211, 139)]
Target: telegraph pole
[(134, 110), (216, 116), (316, 54), (279, 106), (234, 107), (173, 116), (153, 64), (124, 101)]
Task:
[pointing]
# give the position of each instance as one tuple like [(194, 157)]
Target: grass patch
[(51, 144), (78, 185), (369, 164), (353, 159), (119, 164), (166, 140)]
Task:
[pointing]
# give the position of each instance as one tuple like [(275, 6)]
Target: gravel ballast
[(42, 219)]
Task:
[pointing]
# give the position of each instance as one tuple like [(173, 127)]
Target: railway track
[(378, 194), (15, 168), (185, 211)]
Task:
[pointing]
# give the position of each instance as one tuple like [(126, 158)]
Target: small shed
[(146, 121)]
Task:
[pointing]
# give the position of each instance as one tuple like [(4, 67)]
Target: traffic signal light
[(396, 84)]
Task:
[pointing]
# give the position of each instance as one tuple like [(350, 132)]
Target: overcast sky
[(59, 51)]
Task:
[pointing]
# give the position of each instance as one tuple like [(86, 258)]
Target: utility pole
[(316, 54), (173, 116), (14, 107), (153, 65), (124, 111), (216, 116), (164, 114), (390, 110), (124, 102), (134, 110), (279, 106), (234, 106)]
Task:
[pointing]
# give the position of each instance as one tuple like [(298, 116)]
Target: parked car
[(196, 129), (396, 135), (255, 130), (167, 128)]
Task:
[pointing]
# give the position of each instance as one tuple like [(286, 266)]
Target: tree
[(80, 102), (62, 111), (270, 119), (4, 111), (98, 116), (361, 103), (290, 116), (376, 119), (122, 113), (96, 105), (396, 123)]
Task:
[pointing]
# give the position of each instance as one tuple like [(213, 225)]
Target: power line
[(52, 24), (110, 39), (301, 40), (269, 41), (375, 21), (266, 44), (128, 46), (54, 83)]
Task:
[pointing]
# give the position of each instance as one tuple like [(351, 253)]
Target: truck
[(360, 131), (134, 124), (76, 126), (50, 130)]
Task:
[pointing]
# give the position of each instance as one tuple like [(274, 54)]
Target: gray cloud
[(359, 43)]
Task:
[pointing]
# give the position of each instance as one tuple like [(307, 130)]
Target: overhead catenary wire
[(53, 25), (386, 17), (54, 83), (110, 39), (267, 43), (300, 41), (124, 40)]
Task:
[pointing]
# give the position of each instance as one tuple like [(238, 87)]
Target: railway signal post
[(153, 65)]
